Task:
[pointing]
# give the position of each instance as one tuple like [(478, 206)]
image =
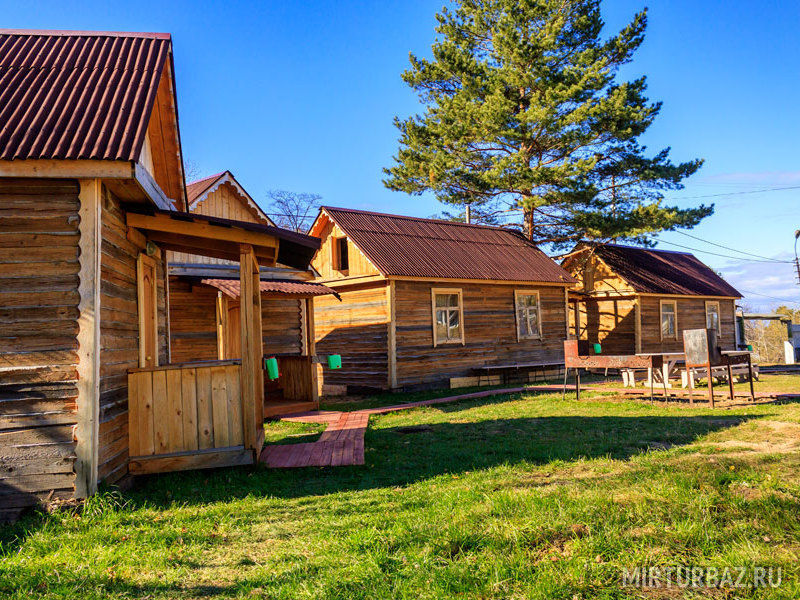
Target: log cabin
[(427, 303), (92, 196), (205, 311), (639, 300)]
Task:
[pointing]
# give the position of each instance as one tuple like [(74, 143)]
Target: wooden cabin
[(428, 302), (639, 300), (205, 309), (92, 195)]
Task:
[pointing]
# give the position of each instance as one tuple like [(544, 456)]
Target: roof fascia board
[(369, 260), (227, 177), (690, 296), (60, 168), (566, 284), (152, 189)]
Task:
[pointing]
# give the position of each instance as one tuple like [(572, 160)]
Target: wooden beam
[(208, 458), (200, 229), (202, 247), (77, 169), (252, 349), (222, 324), (637, 324), (392, 345), (153, 190), (88, 403)]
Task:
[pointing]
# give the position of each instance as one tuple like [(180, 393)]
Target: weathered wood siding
[(609, 321), (323, 260), (38, 327), (489, 331), (225, 202), (594, 276), (691, 314), (119, 334), (193, 321), (357, 328)]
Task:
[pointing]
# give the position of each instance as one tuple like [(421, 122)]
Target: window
[(529, 323), (712, 316), (341, 260), (669, 320), (448, 316)]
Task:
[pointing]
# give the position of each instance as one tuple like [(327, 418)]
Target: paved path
[(342, 442)]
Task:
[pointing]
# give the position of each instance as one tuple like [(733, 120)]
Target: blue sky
[(301, 96)]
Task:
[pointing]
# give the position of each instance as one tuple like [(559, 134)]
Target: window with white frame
[(712, 316), (529, 321), (448, 316), (669, 320)]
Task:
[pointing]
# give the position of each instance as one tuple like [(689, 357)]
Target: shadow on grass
[(401, 455)]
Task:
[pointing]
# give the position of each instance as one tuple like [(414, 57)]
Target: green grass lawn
[(521, 496)]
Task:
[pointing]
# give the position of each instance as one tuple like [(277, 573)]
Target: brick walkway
[(342, 442)]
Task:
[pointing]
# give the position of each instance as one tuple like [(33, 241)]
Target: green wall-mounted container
[(597, 348), (271, 366), (749, 347), (334, 361)]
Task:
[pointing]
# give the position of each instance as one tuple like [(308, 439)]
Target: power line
[(733, 249), (770, 297), (775, 189), (739, 258)]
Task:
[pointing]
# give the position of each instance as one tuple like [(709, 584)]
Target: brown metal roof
[(651, 271), (195, 189), (77, 94), (232, 287), (414, 247)]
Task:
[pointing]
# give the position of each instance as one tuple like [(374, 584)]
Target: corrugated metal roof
[(232, 287), (414, 247), (77, 94), (195, 189), (651, 271)]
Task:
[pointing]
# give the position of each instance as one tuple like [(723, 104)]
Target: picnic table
[(670, 362)]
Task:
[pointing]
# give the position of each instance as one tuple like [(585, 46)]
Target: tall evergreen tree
[(524, 110)]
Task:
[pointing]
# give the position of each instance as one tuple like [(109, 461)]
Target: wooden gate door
[(148, 314)]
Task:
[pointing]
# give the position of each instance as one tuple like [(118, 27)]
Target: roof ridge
[(643, 249), (428, 219), (86, 33)]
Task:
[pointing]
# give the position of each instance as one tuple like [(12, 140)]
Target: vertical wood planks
[(175, 404), (189, 396), (234, 406), (161, 416), (205, 417), (219, 403)]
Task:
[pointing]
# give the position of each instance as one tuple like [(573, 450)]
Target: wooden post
[(88, 403), (637, 325), (311, 346), (252, 388), (222, 325), (392, 341)]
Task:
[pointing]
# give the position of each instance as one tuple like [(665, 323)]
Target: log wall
[(119, 334), (490, 332), (357, 328), (38, 327), (193, 321), (691, 315)]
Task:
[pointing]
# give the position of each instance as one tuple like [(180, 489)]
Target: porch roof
[(232, 287)]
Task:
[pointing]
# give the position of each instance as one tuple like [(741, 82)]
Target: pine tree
[(524, 112)]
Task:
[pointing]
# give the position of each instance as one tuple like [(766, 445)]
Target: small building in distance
[(204, 303), (425, 301), (639, 300)]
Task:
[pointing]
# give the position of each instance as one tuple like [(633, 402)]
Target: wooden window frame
[(661, 304), (719, 314), (517, 294), (443, 292), (336, 261)]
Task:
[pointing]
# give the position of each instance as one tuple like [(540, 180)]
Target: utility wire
[(739, 258), (775, 189), (770, 297), (734, 249)]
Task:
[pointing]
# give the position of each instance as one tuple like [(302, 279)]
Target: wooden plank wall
[(489, 327), (38, 327), (609, 321), (224, 202), (282, 324), (691, 315), (359, 265), (356, 328), (182, 409), (119, 334), (193, 320)]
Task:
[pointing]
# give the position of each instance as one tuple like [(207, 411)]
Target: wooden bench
[(509, 371), (740, 373)]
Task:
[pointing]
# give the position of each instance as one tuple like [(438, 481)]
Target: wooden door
[(147, 279), (233, 339)]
